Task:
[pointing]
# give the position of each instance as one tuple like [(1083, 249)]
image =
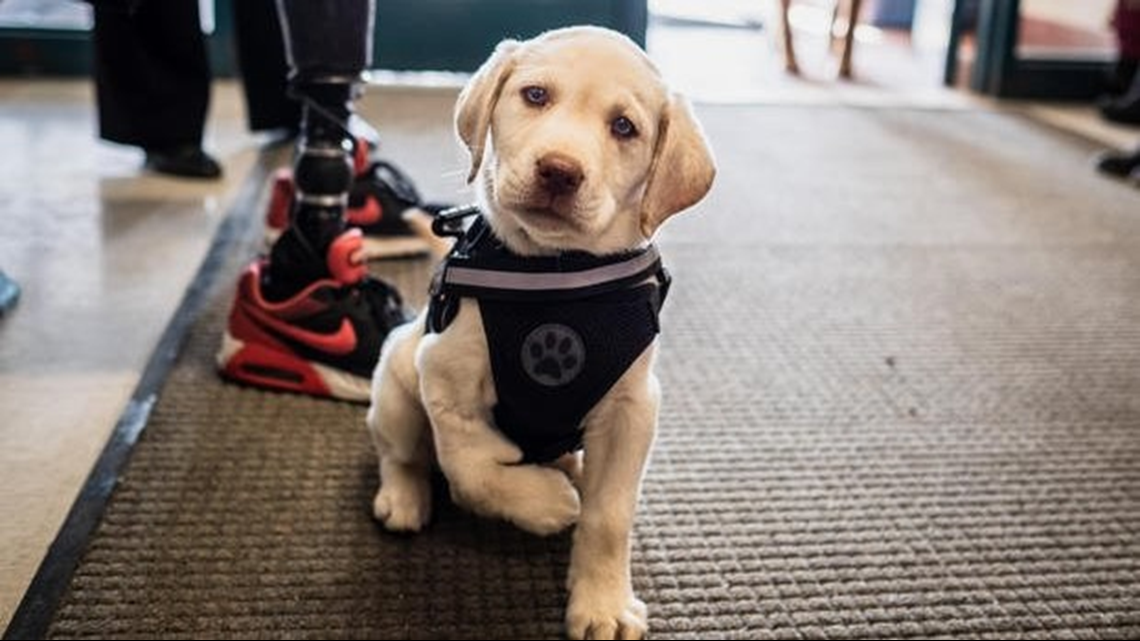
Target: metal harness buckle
[(449, 223)]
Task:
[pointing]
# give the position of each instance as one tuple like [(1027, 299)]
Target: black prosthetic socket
[(323, 174), (327, 104)]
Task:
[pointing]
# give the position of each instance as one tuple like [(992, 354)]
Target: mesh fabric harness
[(560, 330)]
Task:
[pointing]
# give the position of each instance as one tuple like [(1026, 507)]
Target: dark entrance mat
[(901, 367)]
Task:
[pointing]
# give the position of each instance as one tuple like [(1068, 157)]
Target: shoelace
[(387, 175), (385, 304)]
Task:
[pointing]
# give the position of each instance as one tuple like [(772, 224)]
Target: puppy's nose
[(559, 175)]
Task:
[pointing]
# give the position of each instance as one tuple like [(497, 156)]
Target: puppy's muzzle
[(558, 175)]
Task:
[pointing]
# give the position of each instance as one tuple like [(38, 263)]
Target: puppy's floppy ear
[(478, 98), (683, 167)]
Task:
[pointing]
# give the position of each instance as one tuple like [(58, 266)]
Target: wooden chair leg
[(849, 38), (789, 49)]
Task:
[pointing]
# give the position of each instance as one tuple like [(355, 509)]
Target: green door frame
[(999, 72), (68, 52), (463, 32), (54, 52)]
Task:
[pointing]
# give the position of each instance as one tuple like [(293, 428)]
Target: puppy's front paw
[(598, 614), (402, 508), (545, 502)]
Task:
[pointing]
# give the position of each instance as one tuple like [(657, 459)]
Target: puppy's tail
[(420, 222)]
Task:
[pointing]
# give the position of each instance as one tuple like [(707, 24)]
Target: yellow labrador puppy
[(580, 152)]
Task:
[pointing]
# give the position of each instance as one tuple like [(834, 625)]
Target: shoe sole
[(261, 366), (377, 248)]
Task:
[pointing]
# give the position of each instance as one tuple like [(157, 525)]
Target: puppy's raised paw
[(595, 615), (402, 509), (545, 502)]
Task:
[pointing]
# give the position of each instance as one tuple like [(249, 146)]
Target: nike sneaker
[(324, 340)]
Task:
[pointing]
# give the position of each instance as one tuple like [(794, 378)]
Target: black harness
[(560, 330)]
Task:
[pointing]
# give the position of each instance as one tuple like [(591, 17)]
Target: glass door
[(1045, 49), (1066, 30), (44, 36)]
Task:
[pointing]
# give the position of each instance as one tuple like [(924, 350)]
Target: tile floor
[(103, 256)]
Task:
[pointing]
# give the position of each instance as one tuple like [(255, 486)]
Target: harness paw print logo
[(553, 355)]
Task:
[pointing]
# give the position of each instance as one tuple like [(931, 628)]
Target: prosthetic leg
[(326, 79), (322, 177), (310, 319)]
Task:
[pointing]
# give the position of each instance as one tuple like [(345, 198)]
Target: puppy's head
[(578, 144)]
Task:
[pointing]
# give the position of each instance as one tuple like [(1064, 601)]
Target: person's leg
[(323, 77), (1120, 76), (9, 293), (1126, 21), (264, 70), (1125, 108), (152, 81), (1123, 164), (310, 319), (1120, 164)]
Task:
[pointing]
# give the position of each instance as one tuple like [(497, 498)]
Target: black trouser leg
[(328, 38), (264, 70), (152, 74), (328, 46)]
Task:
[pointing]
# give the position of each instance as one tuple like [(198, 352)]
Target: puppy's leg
[(485, 477), (400, 433), (481, 465), (571, 465), (619, 434)]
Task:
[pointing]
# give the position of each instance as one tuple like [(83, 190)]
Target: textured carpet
[(901, 365)]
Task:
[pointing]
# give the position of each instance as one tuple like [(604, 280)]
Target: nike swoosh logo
[(339, 343)]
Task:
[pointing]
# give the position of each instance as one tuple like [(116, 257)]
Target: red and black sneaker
[(380, 202), (324, 340)]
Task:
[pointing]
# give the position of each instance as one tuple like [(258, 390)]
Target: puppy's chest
[(560, 331), (552, 362)]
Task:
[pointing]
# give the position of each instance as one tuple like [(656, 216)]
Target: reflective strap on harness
[(475, 269), (536, 281)]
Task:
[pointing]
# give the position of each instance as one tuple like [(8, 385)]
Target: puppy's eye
[(536, 96), (622, 127)]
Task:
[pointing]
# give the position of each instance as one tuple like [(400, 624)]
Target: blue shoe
[(9, 293)]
